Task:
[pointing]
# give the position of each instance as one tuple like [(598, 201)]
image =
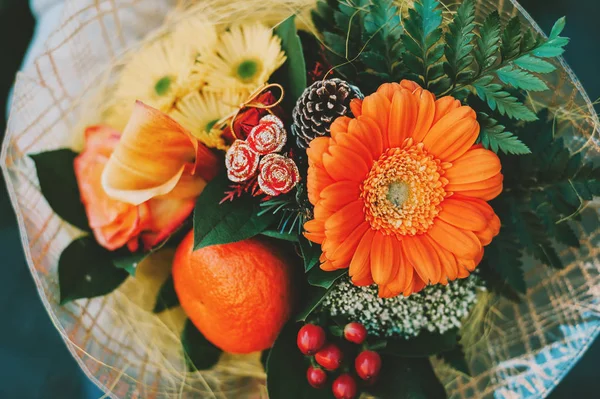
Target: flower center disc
[(247, 70), (404, 190)]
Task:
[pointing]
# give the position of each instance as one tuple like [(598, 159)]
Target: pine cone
[(319, 106)]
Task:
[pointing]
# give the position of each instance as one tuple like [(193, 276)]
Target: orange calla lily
[(156, 157)]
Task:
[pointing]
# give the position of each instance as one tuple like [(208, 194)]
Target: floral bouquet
[(300, 199)]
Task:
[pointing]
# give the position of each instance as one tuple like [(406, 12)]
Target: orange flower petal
[(166, 216), (343, 253), (475, 165), (422, 257), (339, 194), (389, 89), (444, 106), (150, 158), (447, 261), (360, 265), (463, 214), (410, 85), (462, 243), (344, 164), (351, 142), (382, 258), (403, 117), (377, 107), (367, 132), (356, 107), (352, 213), (425, 117), (400, 275), (339, 126), (453, 135), (486, 189), (317, 180)]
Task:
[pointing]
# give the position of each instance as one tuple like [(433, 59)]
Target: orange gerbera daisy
[(400, 191)]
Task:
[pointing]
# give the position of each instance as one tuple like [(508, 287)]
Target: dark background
[(34, 362)]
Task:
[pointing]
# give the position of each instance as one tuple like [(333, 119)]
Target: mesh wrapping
[(130, 353)]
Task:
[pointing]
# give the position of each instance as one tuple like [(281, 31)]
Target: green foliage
[(407, 378), (494, 137), (423, 345), (167, 297), (295, 66), (362, 39), (310, 252), (455, 358), (543, 192), (511, 57), (459, 43), (324, 279), (422, 41), (216, 223), (59, 186), (200, 354), (86, 270), (488, 43)]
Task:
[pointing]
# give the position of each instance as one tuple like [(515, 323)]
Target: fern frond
[(488, 42), (421, 41), (505, 103), (493, 136), (459, 47)]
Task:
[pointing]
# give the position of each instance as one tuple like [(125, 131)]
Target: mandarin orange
[(238, 295)]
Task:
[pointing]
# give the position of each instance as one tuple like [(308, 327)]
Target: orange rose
[(143, 184), (114, 223)]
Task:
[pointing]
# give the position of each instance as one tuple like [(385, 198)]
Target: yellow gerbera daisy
[(163, 71), (199, 112), (245, 58)]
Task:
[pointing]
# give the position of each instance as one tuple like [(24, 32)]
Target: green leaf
[(285, 236), (167, 297), (488, 42), (520, 79), (59, 186), (286, 369), (314, 297), (494, 137), (422, 40), (499, 99), (311, 253), (558, 27), (295, 65), (459, 47), (503, 258), (511, 39), (455, 358), (423, 345), (128, 261), (534, 64), (321, 278), (200, 354), (407, 378), (228, 222), (85, 270)]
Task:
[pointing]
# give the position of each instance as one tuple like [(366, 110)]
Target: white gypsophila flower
[(437, 308)]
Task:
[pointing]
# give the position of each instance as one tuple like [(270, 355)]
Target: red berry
[(330, 357), (311, 338), (316, 377), (344, 387), (367, 365), (355, 332)]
